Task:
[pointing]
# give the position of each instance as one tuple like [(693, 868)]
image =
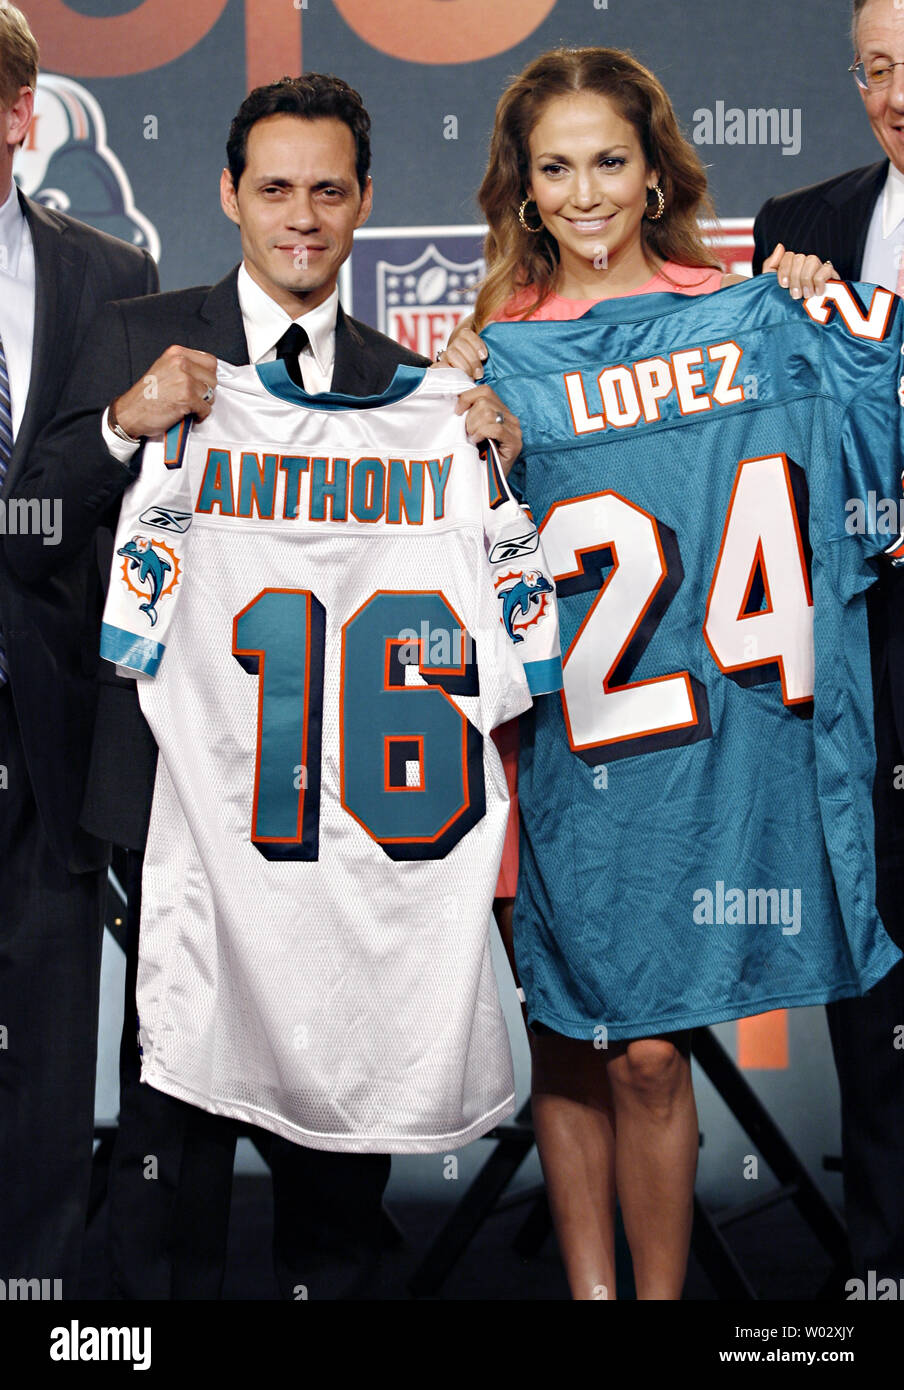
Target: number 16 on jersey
[(411, 762)]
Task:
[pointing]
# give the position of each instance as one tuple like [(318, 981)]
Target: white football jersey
[(330, 602)]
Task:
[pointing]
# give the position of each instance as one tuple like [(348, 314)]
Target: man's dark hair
[(312, 96)]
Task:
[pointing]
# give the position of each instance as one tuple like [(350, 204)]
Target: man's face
[(880, 40), (297, 206), (14, 122)]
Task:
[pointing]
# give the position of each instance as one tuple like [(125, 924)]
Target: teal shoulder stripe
[(135, 653), (274, 377), (176, 440), (543, 677)]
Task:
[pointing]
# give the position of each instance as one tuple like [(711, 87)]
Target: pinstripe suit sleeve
[(828, 219), (791, 220), (760, 247)]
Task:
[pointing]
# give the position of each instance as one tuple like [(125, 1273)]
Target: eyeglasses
[(874, 77)]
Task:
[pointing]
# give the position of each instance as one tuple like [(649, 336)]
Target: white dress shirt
[(17, 301), (883, 253), (265, 322)]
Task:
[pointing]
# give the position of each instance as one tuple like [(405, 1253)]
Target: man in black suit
[(856, 220), (297, 186), (54, 275)]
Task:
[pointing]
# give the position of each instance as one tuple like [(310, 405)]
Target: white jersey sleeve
[(522, 581), (150, 554)]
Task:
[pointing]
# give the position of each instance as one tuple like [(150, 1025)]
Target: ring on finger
[(500, 419), (208, 395)]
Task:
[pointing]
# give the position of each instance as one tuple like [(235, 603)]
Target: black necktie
[(288, 348)]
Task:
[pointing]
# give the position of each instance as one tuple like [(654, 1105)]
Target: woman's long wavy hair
[(517, 259)]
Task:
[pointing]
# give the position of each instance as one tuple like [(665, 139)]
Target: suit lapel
[(356, 371), (223, 332), (861, 206), (58, 284), (854, 201)]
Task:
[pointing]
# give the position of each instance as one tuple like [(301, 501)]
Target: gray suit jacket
[(73, 463), (49, 627)]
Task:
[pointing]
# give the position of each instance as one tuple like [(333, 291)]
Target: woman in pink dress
[(592, 193)]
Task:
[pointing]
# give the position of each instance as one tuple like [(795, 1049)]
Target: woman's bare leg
[(624, 1115), (573, 1123), (655, 1157)]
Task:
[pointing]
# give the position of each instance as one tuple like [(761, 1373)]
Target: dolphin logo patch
[(524, 597), (146, 565)]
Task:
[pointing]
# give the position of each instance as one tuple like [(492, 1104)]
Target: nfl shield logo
[(419, 304)]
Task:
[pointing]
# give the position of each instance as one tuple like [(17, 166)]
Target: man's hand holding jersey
[(181, 382)]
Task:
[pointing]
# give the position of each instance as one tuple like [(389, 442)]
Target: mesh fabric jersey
[(697, 829), (330, 603)]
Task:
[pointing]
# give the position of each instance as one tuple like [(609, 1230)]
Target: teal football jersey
[(715, 481)]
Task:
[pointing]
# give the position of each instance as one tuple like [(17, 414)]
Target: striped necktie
[(6, 453)]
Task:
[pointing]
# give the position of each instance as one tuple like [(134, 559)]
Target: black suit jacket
[(73, 463), (829, 219), (49, 629)]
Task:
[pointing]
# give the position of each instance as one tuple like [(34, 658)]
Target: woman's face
[(589, 180)]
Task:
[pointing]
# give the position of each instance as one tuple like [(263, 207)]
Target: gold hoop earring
[(532, 230), (660, 208)]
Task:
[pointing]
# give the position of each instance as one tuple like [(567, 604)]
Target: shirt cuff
[(117, 447)]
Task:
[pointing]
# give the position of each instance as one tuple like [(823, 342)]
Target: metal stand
[(795, 1183)]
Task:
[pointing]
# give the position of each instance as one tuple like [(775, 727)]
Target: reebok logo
[(165, 519)]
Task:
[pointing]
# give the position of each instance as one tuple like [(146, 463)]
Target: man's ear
[(228, 200), (367, 202), (20, 116)]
